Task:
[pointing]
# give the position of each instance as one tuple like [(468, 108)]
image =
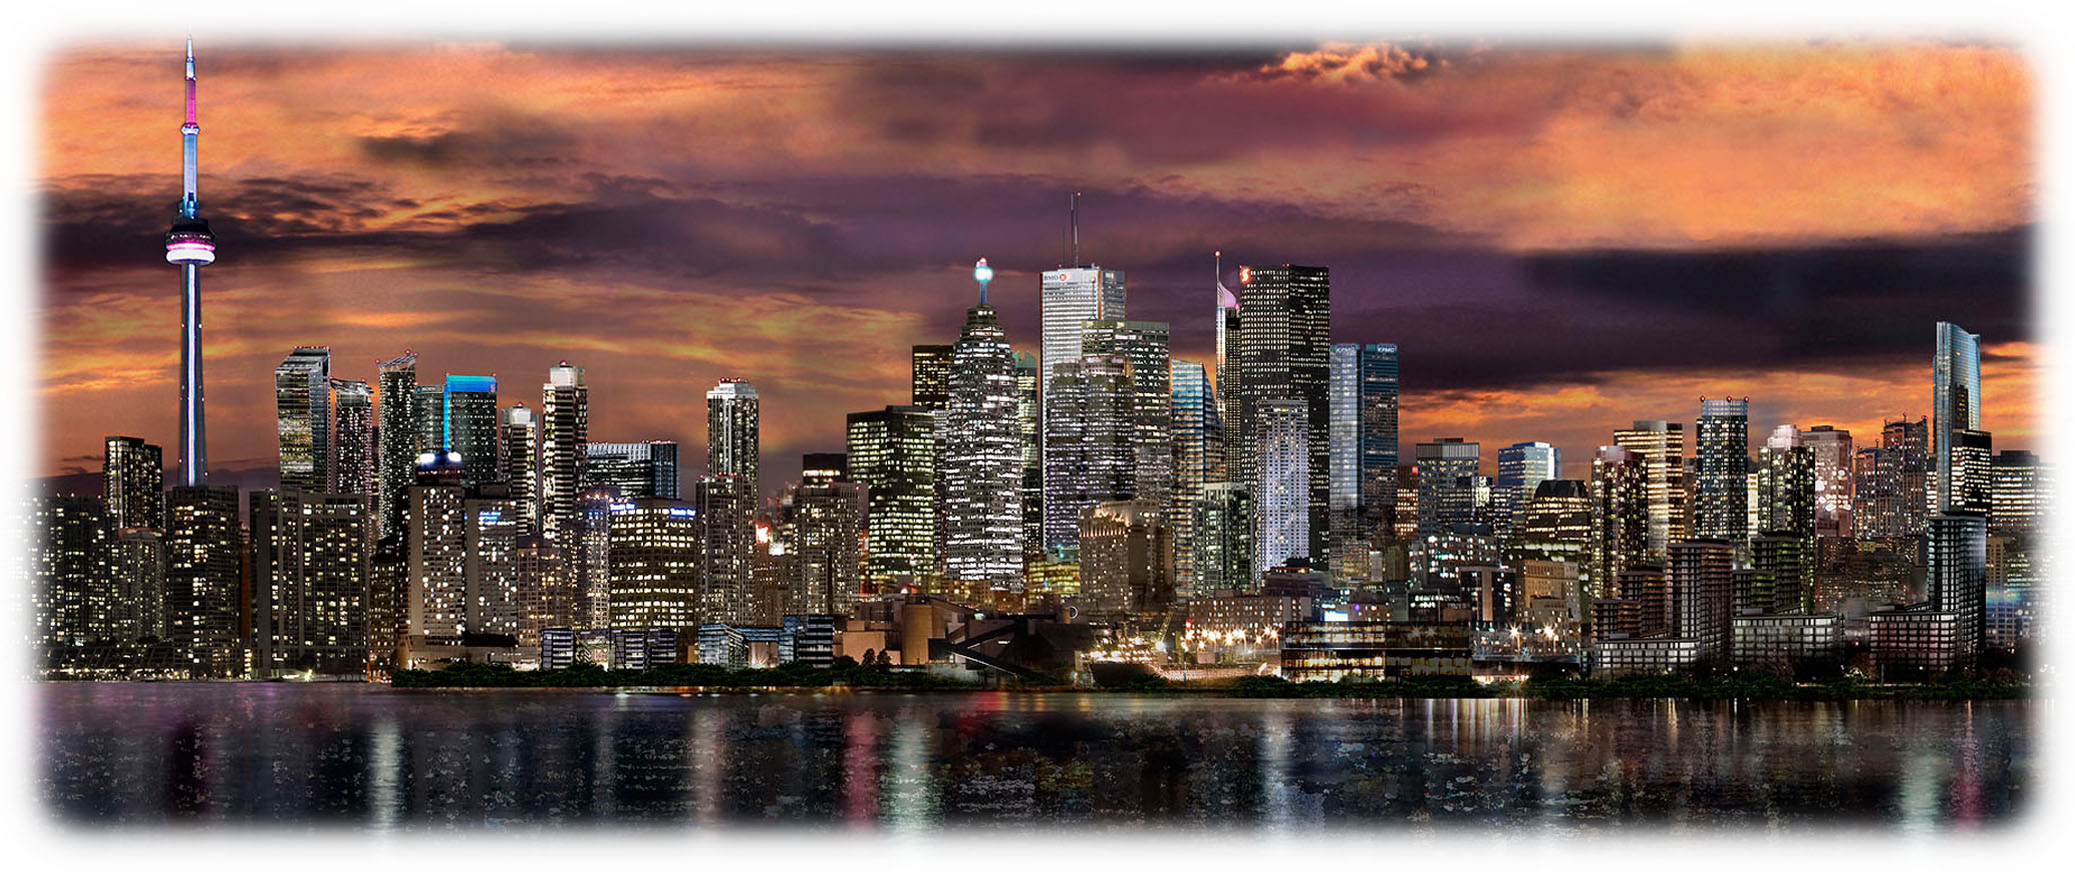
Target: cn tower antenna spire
[(189, 246)]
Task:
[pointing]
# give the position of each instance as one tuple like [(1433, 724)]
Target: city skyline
[(476, 230)]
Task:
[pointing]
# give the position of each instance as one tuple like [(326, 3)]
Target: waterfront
[(369, 757)]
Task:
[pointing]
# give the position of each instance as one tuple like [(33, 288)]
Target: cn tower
[(189, 245)]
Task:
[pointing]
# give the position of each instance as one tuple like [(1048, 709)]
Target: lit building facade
[(1284, 353), (1145, 346), (1661, 446), (353, 469), (1127, 566), (1282, 463), (892, 453), (727, 534), (471, 423), (204, 555), (1363, 385), (302, 410), (644, 469), (565, 420), (732, 417), (981, 466), (396, 408), (1955, 407), (519, 454), (1722, 445), (1088, 432), (1447, 484), (929, 375), (1521, 467), (1198, 456), (133, 483), (311, 567), (655, 557), (1223, 527), (2020, 493)]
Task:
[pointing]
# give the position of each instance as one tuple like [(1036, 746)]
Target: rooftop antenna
[(1073, 221)]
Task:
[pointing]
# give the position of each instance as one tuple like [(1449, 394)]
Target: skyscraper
[(203, 556), (929, 375), (1955, 406), (892, 454), (2021, 494), (1283, 355), (1223, 523), (646, 469), (436, 604), (564, 430), (71, 568), (1197, 457), (491, 529), (1031, 440), (302, 407), (1620, 515), (518, 438), (1364, 389), (310, 572), (731, 431), (1662, 448), (981, 464), (1447, 484), (1722, 446), (189, 245), (727, 533), (1521, 467), (432, 421), (133, 483), (655, 564), (396, 396), (352, 470), (1127, 560), (1068, 298), (471, 426), (1700, 574), (1282, 483), (1145, 345), (1957, 575), (1832, 449), (1970, 483), (1089, 425), (1227, 330), (826, 525)]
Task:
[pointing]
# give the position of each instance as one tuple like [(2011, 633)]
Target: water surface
[(369, 757)]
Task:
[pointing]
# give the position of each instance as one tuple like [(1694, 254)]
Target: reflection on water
[(371, 757)]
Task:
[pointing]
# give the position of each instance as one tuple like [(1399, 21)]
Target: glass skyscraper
[(302, 408), (1145, 345), (646, 469), (471, 426), (1364, 451), (1283, 354), (1722, 459), (1955, 405), (1282, 484), (396, 400), (353, 465), (731, 431), (981, 466), (1197, 455), (565, 421), (892, 453), (1521, 467)]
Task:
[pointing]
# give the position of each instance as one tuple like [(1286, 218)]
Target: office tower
[(1555, 524), (546, 590), (1785, 502), (436, 606), (1088, 432), (1127, 560), (1890, 494), (1521, 467), (1721, 449), (1068, 298), (825, 530), (140, 583), (204, 556), (189, 245), (1783, 566), (1957, 576), (1031, 441), (491, 529), (564, 430), (310, 569), (1699, 573), (1283, 354), (2019, 494), (647, 469), (1970, 476), (727, 534), (1447, 484), (388, 598), (71, 571), (654, 578), (892, 454), (352, 469), (1364, 389), (302, 407), (1662, 448), (133, 483), (929, 376), (1620, 514), (1955, 407), (980, 468), (1832, 448), (432, 421), (396, 400), (1145, 345), (1196, 454), (471, 417), (1404, 515), (587, 548), (1282, 486), (518, 436), (1223, 521), (731, 431), (1227, 329)]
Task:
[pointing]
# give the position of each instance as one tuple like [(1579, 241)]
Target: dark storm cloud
[(508, 142)]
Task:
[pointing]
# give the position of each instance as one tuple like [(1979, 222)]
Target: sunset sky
[(1559, 239)]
